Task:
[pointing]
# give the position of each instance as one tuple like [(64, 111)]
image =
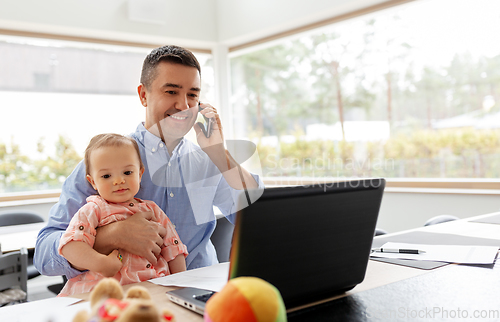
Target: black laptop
[(311, 242)]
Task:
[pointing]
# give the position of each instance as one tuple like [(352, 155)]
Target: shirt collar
[(151, 141)]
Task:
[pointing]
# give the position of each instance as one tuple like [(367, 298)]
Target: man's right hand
[(140, 234)]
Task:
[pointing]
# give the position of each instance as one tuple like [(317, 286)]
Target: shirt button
[(131, 204), (161, 145), (81, 228), (169, 164), (176, 241), (148, 266), (153, 149), (172, 194)]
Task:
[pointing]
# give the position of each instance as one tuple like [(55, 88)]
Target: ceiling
[(199, 24)]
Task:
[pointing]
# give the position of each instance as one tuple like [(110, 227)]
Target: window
[(410, 92), (56, 95)]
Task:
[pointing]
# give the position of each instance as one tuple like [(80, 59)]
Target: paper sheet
[(54, 310), (443, 253), (211, 278), (470, 229), (488, 220)]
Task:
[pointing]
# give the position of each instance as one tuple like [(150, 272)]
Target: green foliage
[(20, 173), (272, 87), (431, 144), (316, 78), (306, 158), (462, 153), (372, 72)]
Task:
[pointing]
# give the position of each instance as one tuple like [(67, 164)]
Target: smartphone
[(207, 126)]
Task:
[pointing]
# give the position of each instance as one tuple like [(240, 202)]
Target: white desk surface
[(12, 238), (377, 274)]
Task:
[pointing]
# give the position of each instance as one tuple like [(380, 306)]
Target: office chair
[(221, 239), (21, 217), (13, 277), (380, 231), (440, 219), (56, 288)]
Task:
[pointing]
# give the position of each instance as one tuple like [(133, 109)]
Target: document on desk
[(469, 229), (442, 253), (211, 278), (56, 309)]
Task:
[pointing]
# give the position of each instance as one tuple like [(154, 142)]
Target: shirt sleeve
[(75, 191), (82, 226), (226, 197), (173, 246)]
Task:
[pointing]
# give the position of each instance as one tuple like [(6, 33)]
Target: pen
[(400, 251)]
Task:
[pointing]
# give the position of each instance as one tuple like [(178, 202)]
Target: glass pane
[(407, 92), (56, 96)]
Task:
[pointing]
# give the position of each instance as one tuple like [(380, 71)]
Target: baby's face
[(115, 173)]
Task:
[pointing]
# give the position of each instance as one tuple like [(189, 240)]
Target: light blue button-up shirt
[(185, 185)]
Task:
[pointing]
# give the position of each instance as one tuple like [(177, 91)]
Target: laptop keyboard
[(204, 297)]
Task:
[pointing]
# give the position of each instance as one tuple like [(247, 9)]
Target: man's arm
[(236, 176), (226, 198), (47, 259)]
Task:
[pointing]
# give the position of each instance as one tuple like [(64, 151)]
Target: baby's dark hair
[(170, 53), (109, 139)]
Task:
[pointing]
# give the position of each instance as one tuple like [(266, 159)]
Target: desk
[(386, 283), (14, 237)]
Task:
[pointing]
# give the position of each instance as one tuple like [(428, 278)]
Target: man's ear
[(141, 90), (91, 181)]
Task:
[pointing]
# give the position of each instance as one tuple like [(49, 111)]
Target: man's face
[(171, 100)]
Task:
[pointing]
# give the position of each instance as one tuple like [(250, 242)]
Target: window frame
[(427, 185)]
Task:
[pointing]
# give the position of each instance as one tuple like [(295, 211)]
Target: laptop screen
[(310, 242)]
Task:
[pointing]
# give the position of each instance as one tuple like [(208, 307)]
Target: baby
[(114, 168)]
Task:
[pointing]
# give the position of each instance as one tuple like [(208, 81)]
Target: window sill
[(443, 191), (409, 185), (27, 196), (393, 185)]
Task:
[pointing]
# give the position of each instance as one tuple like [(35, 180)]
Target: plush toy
[(108, 304), (246, 299)]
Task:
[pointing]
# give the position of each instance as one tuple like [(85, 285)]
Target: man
[(185, 180)]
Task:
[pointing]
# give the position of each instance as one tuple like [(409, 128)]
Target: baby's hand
[(112, 264)]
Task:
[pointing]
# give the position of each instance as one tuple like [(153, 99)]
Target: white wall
[(406, 210)]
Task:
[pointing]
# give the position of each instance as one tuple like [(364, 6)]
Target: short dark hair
[(109, 139), (168, 53)]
